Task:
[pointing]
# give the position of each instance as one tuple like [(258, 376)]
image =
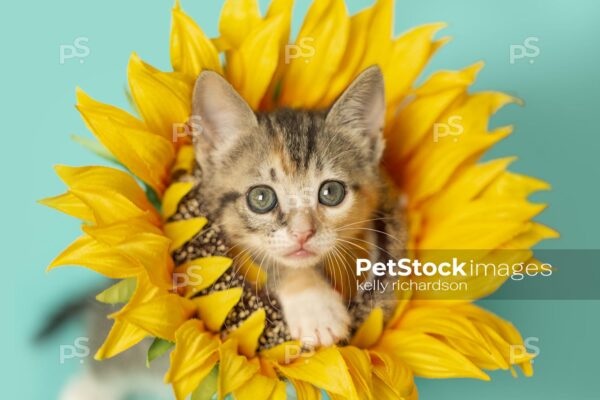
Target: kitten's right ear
[(221, 115)]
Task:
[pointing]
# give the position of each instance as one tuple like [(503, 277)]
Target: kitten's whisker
[(372, 230), (364, 221), (337, 261), (344, 270), (354, 244), (383, 250), (344, 266)]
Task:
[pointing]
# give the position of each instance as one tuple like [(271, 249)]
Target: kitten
[(295, 188)]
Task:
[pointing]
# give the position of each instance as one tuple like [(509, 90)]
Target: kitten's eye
[(332, 193), (261, 199)]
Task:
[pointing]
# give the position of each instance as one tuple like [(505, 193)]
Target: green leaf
[(96, 148), (153, 197), (118, 293), (208, 387), (157, 349)]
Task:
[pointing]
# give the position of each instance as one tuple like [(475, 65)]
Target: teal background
[(556, 139)]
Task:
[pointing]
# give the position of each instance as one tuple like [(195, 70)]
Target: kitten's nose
[(303, 236)]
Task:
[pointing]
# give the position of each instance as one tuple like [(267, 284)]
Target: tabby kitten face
[(291, 187)]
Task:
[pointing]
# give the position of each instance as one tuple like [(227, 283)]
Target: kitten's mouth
[(300, 253)]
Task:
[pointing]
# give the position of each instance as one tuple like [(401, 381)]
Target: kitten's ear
[(361, 108), (221, 115)]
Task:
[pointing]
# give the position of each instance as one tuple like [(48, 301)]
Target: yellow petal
[(370, 330), (443, 323), (129, 199), (504, 330), (281, 8), (110, 207), (515, 185), (152, 252), (103, 177), (160, 316), (70, 204), (250, 68), (467, 119), (283, 353), (121, 337), (320, 47), (194, 356), (147, 155), (404, 300), (443, 80), (427, 356), (248, 333), (305, 390), (392, 379), (97, 256), (432, 167), (164, 99), (469, 183), (234, 369), (200, 273), (214, 307), (191, 50), (144, 248), (413, 123), (438, 321), (238, 19), (115, 234), (144, 292), (532, 236), (506, 216), (411, 51), (359, 366), (325, 369), (484, 355), (182, 231), (353, 56), (186, 159), (380, 31), (258, 387), (173, 196)]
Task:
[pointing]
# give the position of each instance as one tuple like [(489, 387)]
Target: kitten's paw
[(316, 316)]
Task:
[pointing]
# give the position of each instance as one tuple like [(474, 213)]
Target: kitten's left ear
[(361, 108), (222, 115)]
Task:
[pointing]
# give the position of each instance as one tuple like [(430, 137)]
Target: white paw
[(316, 316)]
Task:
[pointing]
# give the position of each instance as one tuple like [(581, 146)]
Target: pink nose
[(302, 237)]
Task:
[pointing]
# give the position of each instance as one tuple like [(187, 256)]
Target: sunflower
[(453, 202)]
